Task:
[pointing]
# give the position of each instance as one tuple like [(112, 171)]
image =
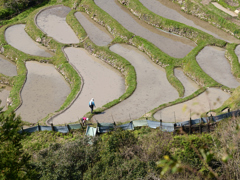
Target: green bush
[(187, 148)]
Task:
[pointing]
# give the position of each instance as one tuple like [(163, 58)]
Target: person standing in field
[(92, 104)]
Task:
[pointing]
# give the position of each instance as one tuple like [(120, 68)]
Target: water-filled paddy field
[(46, 90)]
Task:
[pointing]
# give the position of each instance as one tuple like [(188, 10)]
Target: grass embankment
[(233, 59), (19, 59), (210, 14), (227, 5)]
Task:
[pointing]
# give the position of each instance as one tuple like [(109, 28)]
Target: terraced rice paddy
[(172, 45), (6, 67), (52, 21), (17, 37), (44, 92), (4, 94), (211, 99), (171, 11), (45, 89), (212, 60)]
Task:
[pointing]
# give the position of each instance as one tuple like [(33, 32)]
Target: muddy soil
[(101, 82), (213, 62), (44, 92), (17, 37), (206, 101), (170, 10), (98, 34), (173, 45), (189, 85), (152, 89), (7, 67), (52, 21)]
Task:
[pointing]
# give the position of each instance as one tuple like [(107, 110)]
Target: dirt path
[(7, 67), (206, 101), (98, 34), (173, 45), (212, 60), (52, 21), (44, 92), (17, 37), (101, 82), (152, 89), (170, 10), (189, 86)]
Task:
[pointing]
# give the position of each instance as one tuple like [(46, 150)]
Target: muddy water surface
[(17, 37), (173, 45), (152, 89), (170, 10), (206, 101), (98, 34), (212, 60), (7, 67), (52, 21), (4, 93), (237, 51), (101, 82), (44, 92), (189, 85)]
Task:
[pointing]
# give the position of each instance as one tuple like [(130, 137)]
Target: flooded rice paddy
[(17, 37), (206, 101), (98, 34), (101, 82), (174, 46), (213, 62), (152, 89), (7, 67), (52, 21), (44, 92), (170, 10), (4, 94), (189, 85)]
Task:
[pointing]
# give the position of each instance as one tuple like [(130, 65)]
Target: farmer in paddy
[(92, 104)]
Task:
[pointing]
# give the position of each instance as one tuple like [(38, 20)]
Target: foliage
[(185, 147), (67, 161), (14, 163), (14, 7)]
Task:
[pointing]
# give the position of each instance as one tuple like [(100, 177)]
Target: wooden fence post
[(68, 127), (208, 124), (190, 126), (160, 124), (52, 126), (39, 127), (80, 123), (200, 126), (175, 128)]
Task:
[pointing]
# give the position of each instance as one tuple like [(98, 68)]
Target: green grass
[(233, 59)]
